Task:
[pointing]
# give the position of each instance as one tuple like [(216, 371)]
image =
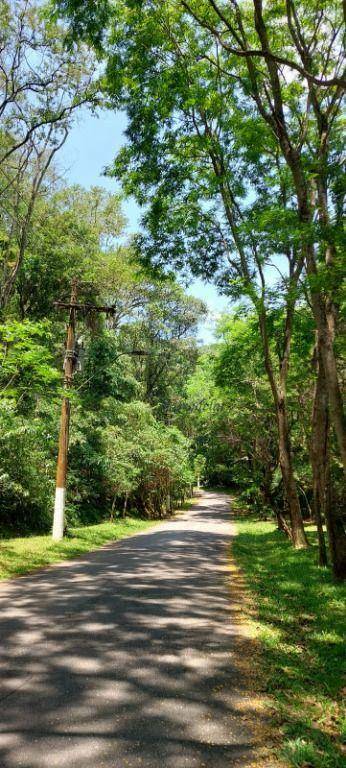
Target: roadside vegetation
[(299, 621), (21, 555)]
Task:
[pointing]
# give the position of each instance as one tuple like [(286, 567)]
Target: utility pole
[(69, 368), (70, 364)]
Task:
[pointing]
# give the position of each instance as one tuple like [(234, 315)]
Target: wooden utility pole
[(69, 369), (70, 364)]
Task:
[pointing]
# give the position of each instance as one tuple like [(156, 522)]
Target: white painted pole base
[(59, 514)]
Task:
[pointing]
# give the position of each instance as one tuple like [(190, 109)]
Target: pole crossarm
[(84, 307)]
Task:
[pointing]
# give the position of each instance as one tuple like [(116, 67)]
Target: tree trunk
[(321, 478), (325, 329), (319, 308), (125, 504), (290, 487), (330, 372), (267, 484), (319, 457), (269, 501), (299, 539), (282, 524), (111, 516), (336, 536)]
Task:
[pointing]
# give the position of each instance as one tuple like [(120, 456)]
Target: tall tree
[(297, 89), (184, 159), (42, 84)]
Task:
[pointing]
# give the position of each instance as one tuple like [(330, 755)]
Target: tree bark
[(282, 525), (267, 484), (285, 458), (125, 504), (111, 516), (326, 350), (319, 457), (336, 535), (323, 502), (298, 536)]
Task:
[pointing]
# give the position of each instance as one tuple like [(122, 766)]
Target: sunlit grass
[(300, 625), (21, 555)]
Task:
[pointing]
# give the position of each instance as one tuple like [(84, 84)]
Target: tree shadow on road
[(126, 657)]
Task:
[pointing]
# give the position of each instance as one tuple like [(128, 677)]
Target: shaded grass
[(300, 626), (22, 555)]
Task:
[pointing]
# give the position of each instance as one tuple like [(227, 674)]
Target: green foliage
[(147, 459), (26, 469), (90, 18), (230, 413), (123, 444), (27, 360), (29, 383), (73, 232), (206, 419)]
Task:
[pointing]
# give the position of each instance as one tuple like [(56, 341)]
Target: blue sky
[(90, 147)]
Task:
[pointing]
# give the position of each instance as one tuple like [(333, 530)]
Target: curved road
[(123, 658)]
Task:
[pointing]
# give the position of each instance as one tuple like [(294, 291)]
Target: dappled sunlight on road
[(124, 657)]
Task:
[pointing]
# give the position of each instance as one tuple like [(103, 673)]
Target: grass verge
[(22, 555), (299, 624)]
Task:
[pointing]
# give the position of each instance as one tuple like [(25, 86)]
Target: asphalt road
[(125, 658)]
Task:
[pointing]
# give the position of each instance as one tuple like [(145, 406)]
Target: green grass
[(22, 555), (301, 628)]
